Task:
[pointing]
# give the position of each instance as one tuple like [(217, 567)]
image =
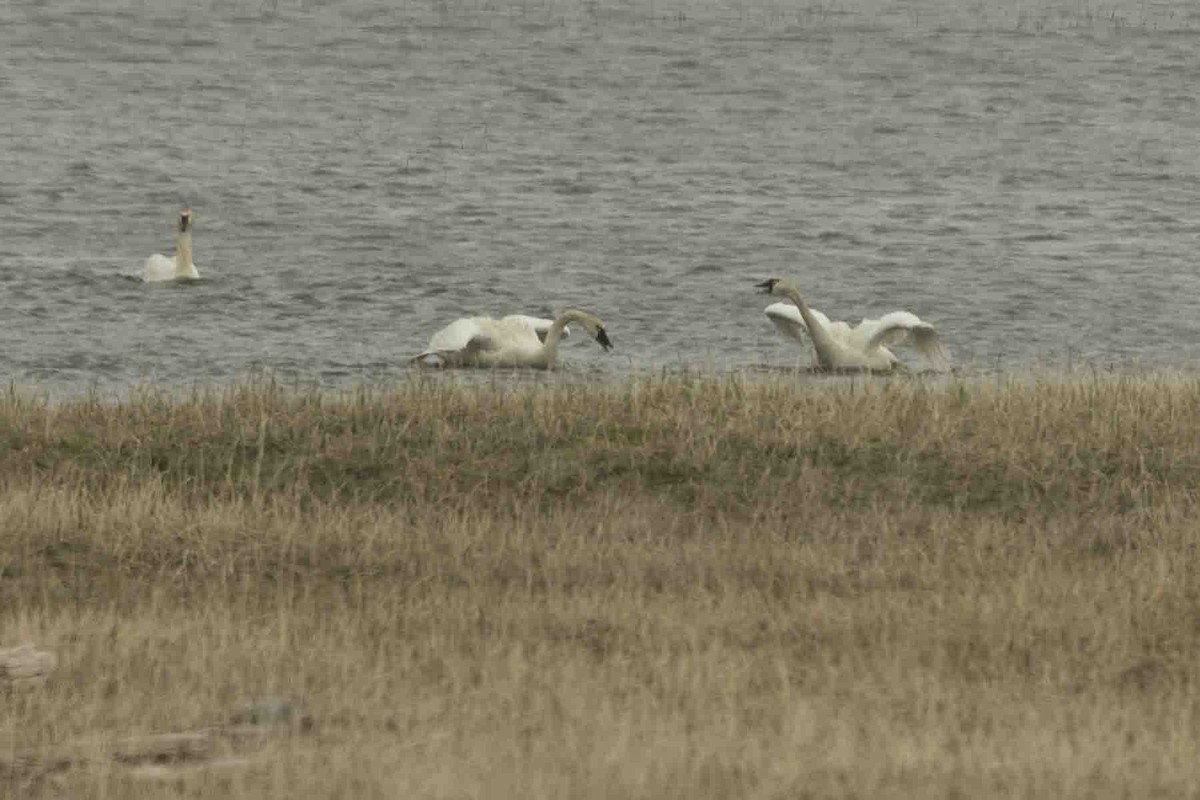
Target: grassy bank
[(664, 588)]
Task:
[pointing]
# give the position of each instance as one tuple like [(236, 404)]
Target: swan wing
[(457, 334), (451, 346), (158, 268), (787, 319), (512, 333), (897, 327), (790, 323), (481, 342), (538, 325), (459, 343), (838, 330), (466, 356)]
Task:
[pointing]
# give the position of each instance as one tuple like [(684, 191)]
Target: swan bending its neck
[(588, 322), (508, 342)]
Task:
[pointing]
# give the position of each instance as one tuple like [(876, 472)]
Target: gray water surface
[(1027, 178)]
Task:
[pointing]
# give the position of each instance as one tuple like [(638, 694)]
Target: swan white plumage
[(457, 334), (513, 341), (865, 346), (179, 266), (541, 326)]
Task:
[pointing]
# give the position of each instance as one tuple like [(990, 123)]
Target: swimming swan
[(838, 346), (179, 266), (513, 341)]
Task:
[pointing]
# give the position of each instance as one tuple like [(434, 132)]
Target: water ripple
[(364, 173)]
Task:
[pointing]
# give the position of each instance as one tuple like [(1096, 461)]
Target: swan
[(179, 266), (513, 341), (865, 346)]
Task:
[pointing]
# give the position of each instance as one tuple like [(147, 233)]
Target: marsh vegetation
[(673, 587)]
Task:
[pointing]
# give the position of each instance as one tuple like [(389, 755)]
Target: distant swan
[(514, 341), (179, 266), (838, 346)]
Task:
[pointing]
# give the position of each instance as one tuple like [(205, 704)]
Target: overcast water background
[(1025, 175)]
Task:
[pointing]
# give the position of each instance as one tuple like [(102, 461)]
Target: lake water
[(1025, 175)]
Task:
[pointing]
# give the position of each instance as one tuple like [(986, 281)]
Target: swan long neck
[(822, 342), (554, 335), (183, 253)]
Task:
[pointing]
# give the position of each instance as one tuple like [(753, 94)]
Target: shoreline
[(800, 375)]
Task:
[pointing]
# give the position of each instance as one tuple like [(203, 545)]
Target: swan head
[(595, 329), (185, 220), (772, 286), (592, 324)]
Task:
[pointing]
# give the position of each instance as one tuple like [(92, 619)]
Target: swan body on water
[(457, 334), (179, 266), (513, 341), (865, 346)]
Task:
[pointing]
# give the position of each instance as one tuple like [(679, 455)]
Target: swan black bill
[(767, 285), (602, 338)]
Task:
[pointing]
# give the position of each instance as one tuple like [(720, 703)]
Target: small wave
[(651, 50), (837, 236), (571, 187), (1043, 237), (538, 94), (1055, 208), (473, 211)]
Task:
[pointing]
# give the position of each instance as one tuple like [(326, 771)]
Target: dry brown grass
[(663, 588)]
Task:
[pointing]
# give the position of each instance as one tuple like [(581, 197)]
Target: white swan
[(514, 341), (865, 346), (179, 266)]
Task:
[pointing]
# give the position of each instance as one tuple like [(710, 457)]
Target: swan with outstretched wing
[(865, 346)]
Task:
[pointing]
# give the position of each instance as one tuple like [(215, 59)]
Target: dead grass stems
[(691, 586)]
